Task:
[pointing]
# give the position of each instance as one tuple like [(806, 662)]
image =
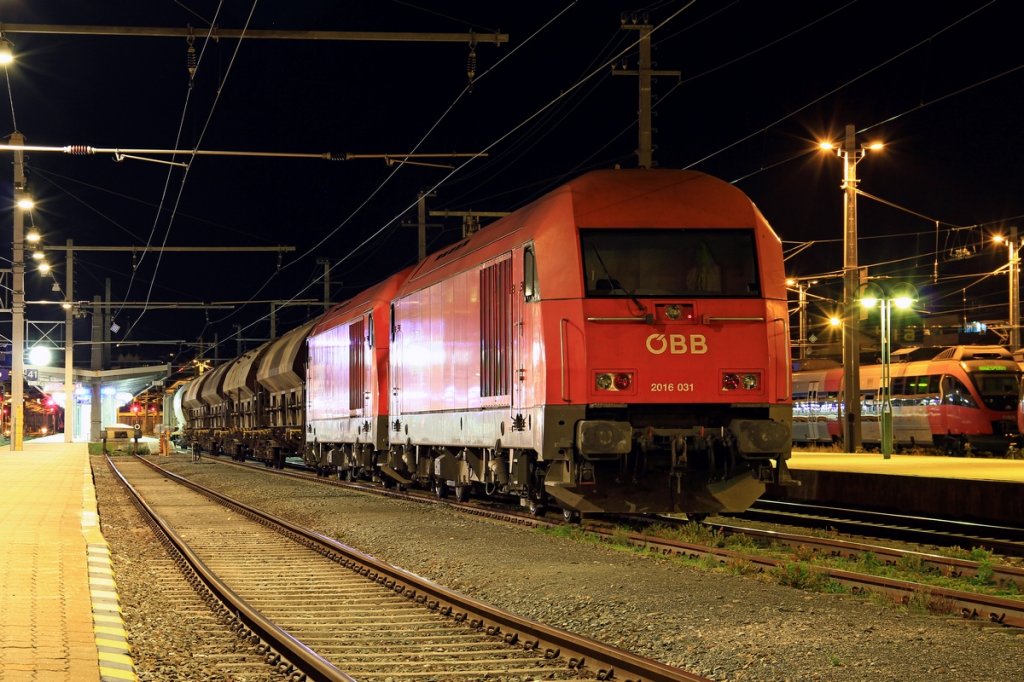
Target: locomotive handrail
[(562, 353), (709, 318), (645, 318)]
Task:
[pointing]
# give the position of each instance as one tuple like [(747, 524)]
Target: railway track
[(320, 610), (1005, 540), (970, 605)]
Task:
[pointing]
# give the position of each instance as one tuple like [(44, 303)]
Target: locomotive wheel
[(571, 515), (461, 493), (440, 488)]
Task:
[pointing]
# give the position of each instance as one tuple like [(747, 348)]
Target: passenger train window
[(955, 393), (369, 335), (622, 263)]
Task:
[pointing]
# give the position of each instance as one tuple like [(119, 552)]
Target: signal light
[(623, 381)]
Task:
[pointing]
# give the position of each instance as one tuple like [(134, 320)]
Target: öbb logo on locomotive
[(485, 368), (676, 344)]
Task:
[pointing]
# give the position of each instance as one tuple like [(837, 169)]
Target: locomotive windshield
[(669, 262)]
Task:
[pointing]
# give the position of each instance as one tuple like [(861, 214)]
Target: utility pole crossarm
[(258, 34), (645, 72)]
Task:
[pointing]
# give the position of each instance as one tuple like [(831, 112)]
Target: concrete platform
[(985, 490), (59, 614)]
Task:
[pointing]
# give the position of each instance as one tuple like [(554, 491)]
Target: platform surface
[(971, 468), (59, 618)]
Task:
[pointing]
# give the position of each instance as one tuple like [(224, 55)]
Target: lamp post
[(851, 156), (902, 296), (18, 300), (1013, 251)]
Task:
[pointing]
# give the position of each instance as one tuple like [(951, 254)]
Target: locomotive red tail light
[(613, 381)]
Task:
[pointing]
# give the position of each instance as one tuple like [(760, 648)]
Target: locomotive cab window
[(530, 290), (669, 263)]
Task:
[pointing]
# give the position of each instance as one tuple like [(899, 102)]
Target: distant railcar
[(962, 399), (348, 384), (619, 345)]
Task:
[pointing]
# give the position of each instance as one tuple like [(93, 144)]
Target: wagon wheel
[(536, 507), (441, 488), (571, 516), (462, 492), (696, 518)]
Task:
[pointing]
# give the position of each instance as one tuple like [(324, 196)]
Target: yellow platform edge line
[(109, 629)]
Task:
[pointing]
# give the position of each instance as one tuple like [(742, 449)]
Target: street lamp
[(903, 297), (1013, 250), (851, 156)]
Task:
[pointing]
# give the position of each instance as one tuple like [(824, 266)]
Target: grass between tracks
[(802, 568)]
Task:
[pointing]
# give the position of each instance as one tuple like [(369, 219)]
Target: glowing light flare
[(25, 203), (39, 355), (903, 302)]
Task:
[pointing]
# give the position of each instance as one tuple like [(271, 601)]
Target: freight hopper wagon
[(962, 399), (253, 406), (203, 406), (620, 345)]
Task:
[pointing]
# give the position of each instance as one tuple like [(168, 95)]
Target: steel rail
[(970, 605), (293, 652), (951, 567), (581, 653)]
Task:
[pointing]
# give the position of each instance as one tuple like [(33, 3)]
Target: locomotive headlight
[(730, 381), (673, 312), (609, 381), (751, 382)]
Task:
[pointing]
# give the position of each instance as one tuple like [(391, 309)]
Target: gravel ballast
[(712, 622)]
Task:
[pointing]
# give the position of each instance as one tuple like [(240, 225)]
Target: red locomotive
[(961, 399), (619, 345)]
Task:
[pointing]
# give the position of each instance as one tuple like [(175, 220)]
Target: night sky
[(940, 83)]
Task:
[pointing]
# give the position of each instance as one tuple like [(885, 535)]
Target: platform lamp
[(902, 296), (851, 156), (1013, 251)]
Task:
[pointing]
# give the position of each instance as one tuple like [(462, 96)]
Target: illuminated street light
[(1013, 251), (33, 236), (25, 203), (903, 296), (6, 52), (44, 267), (850, 155), (40, 356)]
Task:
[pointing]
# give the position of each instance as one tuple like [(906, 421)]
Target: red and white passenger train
[(964, 398), (619, 345)]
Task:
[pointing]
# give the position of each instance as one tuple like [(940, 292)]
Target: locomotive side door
[(395, 362), (517, 363)]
